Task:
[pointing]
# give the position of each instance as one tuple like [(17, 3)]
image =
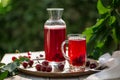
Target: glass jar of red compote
[(54, 35)]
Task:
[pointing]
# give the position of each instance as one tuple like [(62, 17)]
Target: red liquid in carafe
[(54, 36)]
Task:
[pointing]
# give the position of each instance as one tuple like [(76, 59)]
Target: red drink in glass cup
[(77, 51)]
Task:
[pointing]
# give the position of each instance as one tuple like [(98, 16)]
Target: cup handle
[(62, 49)]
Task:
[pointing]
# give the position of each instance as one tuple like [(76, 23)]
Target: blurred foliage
[(104, 36), (22, 21)]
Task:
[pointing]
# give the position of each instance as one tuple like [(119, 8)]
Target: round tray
[(66, 73), (56, 74)]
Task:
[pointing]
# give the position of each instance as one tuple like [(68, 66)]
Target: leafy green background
[(22, 21), (104, 36)]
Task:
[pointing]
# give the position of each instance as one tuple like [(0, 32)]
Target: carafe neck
[(55, 13)]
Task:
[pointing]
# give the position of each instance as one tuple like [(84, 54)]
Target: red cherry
[(43, 68), (38, 67), (25, 64), (61, 66), (93, 65), (87, 63), (29, 56), (78, 61), (41, 55), (30, 62), (45, 63), (29, 53), (49, 68), (14, 58)]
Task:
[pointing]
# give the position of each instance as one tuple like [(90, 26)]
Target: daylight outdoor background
[(22, 21)]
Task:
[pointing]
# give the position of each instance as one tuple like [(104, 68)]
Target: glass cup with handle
[(76, 51)]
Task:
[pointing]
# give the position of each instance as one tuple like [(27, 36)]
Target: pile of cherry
[(45, 66)]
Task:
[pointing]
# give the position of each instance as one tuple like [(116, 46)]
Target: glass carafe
[(54, 35)]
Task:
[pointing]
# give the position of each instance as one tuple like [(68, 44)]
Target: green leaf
[(10, 67), (96, 53), (3, 75), (117, 32), (98, 25), (88, 32), (92, 35), (110, 45), (116, 3), (2, 64), (100, 29), (95, 28), (107, 3), (112, 20), (4, 2), (100, 33), (100, 22), (117, 25), (101, 8), (114, 35)]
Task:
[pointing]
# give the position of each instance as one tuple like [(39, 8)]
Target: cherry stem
[(37, 60)]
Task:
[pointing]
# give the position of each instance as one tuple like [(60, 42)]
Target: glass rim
[(55, 9), (77, 35)]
